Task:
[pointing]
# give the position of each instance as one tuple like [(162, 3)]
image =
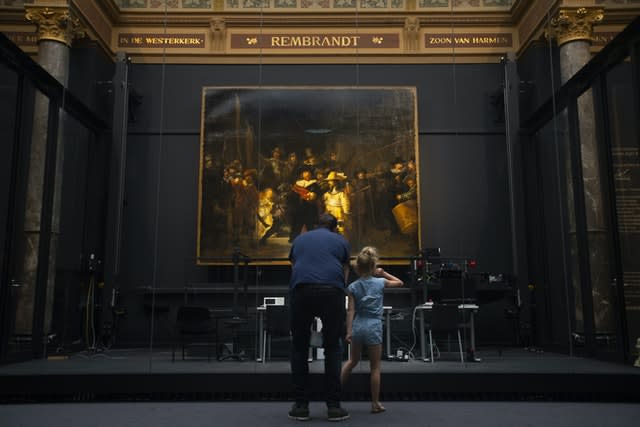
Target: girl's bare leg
[(375, 357), (356, 350)]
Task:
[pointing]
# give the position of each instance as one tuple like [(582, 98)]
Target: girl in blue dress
[(364, 318)]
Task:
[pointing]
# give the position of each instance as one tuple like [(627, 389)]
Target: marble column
[(572, 28), (56, 28)]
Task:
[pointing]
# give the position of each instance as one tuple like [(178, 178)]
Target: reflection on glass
[(26, 263), (562, 273), (626, 179), (575, 306), (8, 100), (597, 233), (76, 295)]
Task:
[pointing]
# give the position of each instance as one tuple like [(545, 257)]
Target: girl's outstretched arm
[(390, 281)]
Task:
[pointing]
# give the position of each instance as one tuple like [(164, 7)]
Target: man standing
[(320, 268), (303, 203)]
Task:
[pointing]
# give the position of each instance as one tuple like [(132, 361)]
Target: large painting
[(273, 158)]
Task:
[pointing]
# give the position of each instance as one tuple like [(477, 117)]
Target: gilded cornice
[(112, 26), (571, 24), (97, 19), (318, 19), (532, 21), (519, 9), (55, 23), (307, 20), (109, 8)]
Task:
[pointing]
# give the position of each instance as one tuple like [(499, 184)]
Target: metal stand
[(237, 321)]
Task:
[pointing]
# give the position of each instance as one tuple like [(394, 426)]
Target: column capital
[(58, 23), (571, 24)]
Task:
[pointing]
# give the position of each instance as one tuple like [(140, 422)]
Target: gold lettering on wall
[(314, 41), (161, 40), (602, 39), (22, 38), (468, 40)]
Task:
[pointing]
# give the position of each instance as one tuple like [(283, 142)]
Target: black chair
[(457, 287), (445, 318), (193, 324), (277, 328), (233, 324)]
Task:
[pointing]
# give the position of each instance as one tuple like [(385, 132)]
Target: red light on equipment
[(473, 263)]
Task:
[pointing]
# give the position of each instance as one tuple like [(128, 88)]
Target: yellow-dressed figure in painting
[(336, 200), (265, 216)]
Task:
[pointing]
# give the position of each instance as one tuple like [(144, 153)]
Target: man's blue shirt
[(318, 256)]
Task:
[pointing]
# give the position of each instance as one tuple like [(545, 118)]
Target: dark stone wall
[(463, 170), (462, 157), (538, 68), (90, 74)]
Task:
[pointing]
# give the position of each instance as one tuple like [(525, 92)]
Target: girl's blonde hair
[(366, 261)]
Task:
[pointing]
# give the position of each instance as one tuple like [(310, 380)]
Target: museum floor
[(272, 414)]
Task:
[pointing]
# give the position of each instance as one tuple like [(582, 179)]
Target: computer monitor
[(456, 286)]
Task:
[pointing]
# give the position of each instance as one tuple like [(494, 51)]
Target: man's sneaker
[(337, 413), (300, 412)]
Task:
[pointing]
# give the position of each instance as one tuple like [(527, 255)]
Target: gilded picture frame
[(273, 158)]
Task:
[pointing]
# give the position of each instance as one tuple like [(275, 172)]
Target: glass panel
[(76, 299), (23, 294), (8, 166), (8, 100), (148, 275), (626, 173), (596, 228), (140, 325), (551, 297)]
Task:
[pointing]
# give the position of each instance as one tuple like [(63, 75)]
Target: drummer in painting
[(411, 190), (406, 211)]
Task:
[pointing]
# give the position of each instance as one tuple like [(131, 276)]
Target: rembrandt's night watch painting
[(273, 158)]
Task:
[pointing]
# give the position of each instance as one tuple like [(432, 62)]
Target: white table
[(260, 356), (471, 308)]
